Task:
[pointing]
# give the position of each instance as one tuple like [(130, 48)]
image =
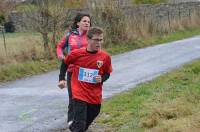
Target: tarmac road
[(35, 104)]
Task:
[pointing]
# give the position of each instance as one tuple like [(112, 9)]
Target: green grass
[(141, 43), (19, 70), (167, 104), (174, 36)]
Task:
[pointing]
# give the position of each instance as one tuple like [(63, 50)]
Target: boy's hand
[(98, 78), (62, 84)]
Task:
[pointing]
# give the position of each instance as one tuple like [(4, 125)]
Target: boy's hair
[(94, 30)]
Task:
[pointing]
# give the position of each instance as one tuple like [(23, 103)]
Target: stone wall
[(18, 20), (164, 12), (160, 12)]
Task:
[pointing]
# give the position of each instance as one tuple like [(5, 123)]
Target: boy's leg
[(80, 115), (70, 106), (92, 112)]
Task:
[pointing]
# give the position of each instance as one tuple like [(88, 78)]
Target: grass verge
[(141, 43), (170, 103), (19, 70)]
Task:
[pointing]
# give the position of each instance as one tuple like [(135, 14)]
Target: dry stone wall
[(161, 12)]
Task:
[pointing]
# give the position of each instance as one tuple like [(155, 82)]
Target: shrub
[(109, 16)]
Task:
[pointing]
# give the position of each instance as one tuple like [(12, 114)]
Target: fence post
[(4, 39)]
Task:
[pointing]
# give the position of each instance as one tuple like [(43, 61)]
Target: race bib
[(87, 75)]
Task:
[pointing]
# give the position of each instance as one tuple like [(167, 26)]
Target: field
[(20, 47)]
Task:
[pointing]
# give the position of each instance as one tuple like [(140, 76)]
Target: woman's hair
[(78, 18)]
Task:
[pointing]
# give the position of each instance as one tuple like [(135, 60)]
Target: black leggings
[(70, 106), (84, 114)]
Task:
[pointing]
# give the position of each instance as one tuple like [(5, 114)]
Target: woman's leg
[(70, 106)]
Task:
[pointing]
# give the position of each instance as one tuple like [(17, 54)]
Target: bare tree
[(58, 14), (45, 16), (6, 6)]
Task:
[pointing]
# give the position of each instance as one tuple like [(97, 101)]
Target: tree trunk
[(49, 54), (54, 34), (45, 41)]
